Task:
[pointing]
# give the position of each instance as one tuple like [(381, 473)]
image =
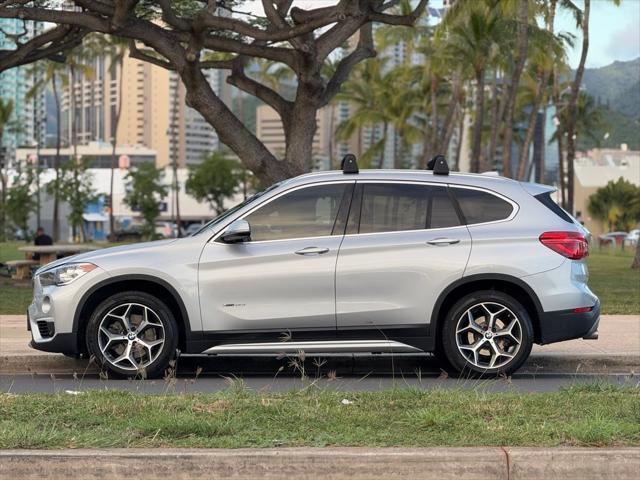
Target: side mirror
[(238, 232)]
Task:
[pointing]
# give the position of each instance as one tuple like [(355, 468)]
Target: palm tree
[(546, 50), (473, 36), (6, 112), (117, 51), (570, 126), (613, 204)]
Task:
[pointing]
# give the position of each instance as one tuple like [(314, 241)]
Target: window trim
[(514, 212), (271, 199)]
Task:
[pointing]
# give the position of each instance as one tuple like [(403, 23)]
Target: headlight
[(65, 274)]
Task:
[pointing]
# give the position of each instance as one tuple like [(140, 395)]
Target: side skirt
[(396, 339)]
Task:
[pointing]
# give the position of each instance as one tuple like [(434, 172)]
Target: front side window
[(481, 207), (306, 212)]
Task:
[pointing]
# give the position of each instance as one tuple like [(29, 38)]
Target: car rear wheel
[(487, 333), (133, 334)]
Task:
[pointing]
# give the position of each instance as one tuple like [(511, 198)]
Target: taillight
[(572, 245)]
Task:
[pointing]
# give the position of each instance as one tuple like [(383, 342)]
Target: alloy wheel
[(488, 335), (131, 336)]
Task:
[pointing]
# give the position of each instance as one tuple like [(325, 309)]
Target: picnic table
[(49, 253)]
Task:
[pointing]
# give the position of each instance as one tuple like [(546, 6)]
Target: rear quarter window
[(481, 207), (547, 201)]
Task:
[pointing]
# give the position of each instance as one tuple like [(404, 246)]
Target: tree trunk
[(636, 258), (299, 131), (463, 112), (56, 163), (561, 172), (523, 161), (496, 114), (74, 142), (114, 140), (476, 146), (174, 161), (575, 90), (3, 196), (522, 46), (233, 133)]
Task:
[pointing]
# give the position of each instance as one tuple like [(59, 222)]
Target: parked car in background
[(193, 228), (166, 229), (612, 239), (130, 233), (632, 238), (473, 267)]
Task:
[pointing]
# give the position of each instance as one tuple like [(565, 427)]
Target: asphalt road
[(343, 373)]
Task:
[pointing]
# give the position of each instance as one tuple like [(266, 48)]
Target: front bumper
[(567, 325), (51, 312)]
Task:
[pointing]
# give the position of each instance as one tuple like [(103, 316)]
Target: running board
[(334, 346)]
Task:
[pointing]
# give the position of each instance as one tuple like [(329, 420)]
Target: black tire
[(515, 353), (162, 317)]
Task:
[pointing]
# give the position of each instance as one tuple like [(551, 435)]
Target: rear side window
[(481, 207), (389, 207), (393, 207), (547, 201), (443, 213)]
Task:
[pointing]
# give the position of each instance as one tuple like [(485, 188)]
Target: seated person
[(41, 240)]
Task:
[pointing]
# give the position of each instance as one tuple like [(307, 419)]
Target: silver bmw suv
[(476, 268)]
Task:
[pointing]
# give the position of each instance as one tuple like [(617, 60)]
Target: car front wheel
[(487, 333), (133, 334)]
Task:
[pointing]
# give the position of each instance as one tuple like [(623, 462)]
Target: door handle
[(444, 241), (312, 251)]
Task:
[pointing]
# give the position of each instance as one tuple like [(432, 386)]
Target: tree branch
[(364, 50), (239, 79), (406, 20)]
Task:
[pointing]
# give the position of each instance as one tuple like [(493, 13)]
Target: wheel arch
[(508, 284), (141, 283)]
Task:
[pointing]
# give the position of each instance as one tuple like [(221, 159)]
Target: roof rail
[(439, 165), (349, 164)]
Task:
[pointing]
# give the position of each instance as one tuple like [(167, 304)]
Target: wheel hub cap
[(131, 336), (488, 335)]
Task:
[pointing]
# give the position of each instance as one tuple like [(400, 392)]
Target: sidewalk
[(326, 463), (616, 351)]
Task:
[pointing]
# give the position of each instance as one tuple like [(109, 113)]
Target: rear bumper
[(563, 325)]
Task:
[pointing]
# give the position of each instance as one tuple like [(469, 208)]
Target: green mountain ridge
[(616, 85)]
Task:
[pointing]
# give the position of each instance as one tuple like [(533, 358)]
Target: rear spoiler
[(537, 188)]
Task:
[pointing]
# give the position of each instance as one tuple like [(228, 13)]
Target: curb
[(537, 364), (326, 463)]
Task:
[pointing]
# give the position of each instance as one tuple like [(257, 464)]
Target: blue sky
[(614, 31)]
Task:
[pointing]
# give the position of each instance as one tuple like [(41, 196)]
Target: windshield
[(232, 210)]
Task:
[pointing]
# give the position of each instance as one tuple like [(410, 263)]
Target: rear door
[(405, 243)]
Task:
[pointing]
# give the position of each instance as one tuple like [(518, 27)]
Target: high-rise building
[(26, 126), (153, 115)]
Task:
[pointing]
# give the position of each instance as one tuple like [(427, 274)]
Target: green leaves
[(145, 191), (213, 180), (617, 205)]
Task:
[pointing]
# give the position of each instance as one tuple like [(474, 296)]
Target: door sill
[(332, 346)]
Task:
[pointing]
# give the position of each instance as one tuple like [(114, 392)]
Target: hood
[(101, 253)]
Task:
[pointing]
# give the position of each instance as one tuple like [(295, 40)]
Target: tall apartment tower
[(153, 115), (28, 116)]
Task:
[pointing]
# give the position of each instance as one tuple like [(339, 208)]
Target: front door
[(284, 278), (405, 243)]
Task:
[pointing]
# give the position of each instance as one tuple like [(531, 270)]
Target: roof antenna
[(349, 164), (439, 165)]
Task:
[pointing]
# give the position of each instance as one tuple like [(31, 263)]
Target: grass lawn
[(617, 285), (610, 278), (587, 415)]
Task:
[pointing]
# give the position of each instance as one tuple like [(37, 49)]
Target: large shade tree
[(188, 36)]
